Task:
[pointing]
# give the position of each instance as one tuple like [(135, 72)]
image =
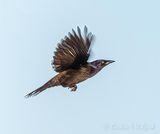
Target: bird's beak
[(109, 61)]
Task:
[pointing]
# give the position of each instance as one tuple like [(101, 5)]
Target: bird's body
[(70, 61)]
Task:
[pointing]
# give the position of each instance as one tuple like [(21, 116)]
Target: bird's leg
[(73, 88)]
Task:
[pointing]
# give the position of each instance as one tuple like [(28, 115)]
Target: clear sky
[(123, 98)]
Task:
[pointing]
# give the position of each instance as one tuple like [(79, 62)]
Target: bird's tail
[(49, 84)]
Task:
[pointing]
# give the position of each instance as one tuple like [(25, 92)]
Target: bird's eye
[(102, 62)]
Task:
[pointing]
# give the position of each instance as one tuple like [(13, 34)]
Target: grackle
[(70, 61)]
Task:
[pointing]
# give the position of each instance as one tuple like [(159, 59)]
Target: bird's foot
[(73, 89)]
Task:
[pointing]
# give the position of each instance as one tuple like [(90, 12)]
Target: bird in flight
[(70, 61)]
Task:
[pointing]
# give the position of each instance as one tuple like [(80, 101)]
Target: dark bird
[(70, 62)]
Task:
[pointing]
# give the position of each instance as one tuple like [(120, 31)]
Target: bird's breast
[(74, 76)]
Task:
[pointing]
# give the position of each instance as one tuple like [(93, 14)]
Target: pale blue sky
[(123, 98)]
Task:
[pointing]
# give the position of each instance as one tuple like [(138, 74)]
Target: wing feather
[(73, 51)]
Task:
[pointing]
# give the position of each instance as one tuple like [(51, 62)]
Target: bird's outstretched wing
[(73, 51)]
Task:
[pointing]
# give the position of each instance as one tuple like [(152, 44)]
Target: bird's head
[(99, 64)]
